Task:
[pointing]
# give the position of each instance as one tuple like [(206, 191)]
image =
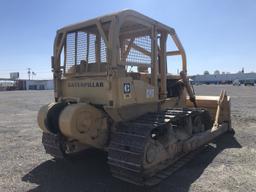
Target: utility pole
[(29, 73)]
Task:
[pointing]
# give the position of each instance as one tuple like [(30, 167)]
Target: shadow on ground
[(90, 172)]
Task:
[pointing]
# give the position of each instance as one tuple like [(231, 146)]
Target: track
[(126, 151), (127, 148)]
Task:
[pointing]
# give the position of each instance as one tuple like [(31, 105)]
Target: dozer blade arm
[(191, 94), (223, 110)]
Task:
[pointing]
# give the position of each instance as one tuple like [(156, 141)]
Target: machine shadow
[(90, 172)]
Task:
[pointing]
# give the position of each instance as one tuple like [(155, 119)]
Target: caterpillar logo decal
[(85, 84), (127, 88)]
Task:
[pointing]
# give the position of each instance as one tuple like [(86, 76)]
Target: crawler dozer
[(113, 91)]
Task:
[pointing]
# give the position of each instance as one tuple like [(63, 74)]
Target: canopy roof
[(130, 18)]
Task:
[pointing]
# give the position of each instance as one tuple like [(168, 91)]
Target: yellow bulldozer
[(113, 92)]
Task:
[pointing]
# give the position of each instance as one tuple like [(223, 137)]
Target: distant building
[(223, 78), (6, 85), (39, 84), (22, 84), (15, 83)]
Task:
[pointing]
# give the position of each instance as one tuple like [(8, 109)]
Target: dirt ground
[(227, 165)]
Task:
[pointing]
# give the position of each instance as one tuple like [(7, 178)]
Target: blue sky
[(216, 34)]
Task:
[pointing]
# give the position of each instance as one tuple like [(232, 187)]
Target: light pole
[(29, 73)]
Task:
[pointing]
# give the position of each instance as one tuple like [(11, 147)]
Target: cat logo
[(127, 88)]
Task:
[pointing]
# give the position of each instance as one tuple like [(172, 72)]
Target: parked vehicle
[(236, 82), (249, 82)]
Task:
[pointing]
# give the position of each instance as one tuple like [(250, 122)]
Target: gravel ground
[(226, 165)]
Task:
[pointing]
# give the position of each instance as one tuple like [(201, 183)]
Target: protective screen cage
[(84, 52), (137, 51)]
